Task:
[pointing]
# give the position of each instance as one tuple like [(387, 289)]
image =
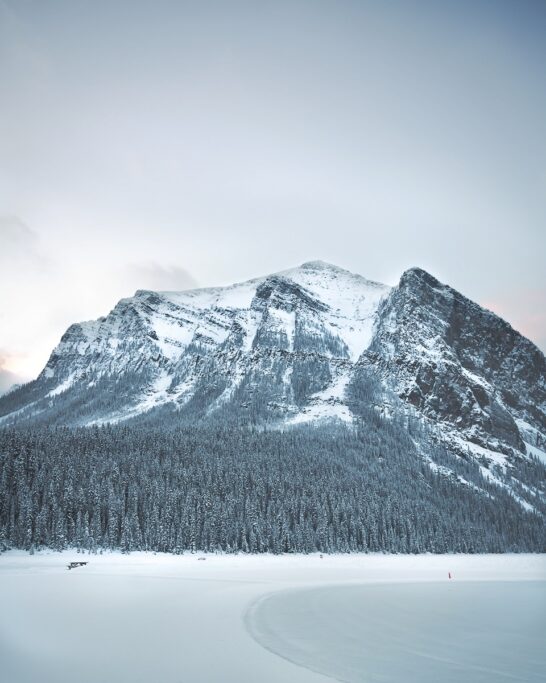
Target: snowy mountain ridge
[(312, 344), (168, 330)]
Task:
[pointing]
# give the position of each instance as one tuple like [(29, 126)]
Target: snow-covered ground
[(145, 617)]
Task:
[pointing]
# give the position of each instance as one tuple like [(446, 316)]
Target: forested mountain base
[(218, 489)]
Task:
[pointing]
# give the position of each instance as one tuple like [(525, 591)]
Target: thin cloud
[(153, 276), (20, 245), (27, 286), (8, 379), (15, 235)]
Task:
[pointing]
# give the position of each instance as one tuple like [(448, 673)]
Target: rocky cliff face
[(297, 347), (460, 365)]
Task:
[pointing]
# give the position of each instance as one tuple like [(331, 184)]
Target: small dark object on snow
[(73, 565), (201, 558)]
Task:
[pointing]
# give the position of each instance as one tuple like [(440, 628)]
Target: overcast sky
[(169, 144)]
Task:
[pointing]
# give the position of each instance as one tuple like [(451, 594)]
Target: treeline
[(234, 489)]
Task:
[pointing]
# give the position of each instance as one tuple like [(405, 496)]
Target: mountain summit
[(314, 344)]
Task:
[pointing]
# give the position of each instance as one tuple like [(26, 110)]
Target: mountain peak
[(320, 265), (416, 273), (329, 273)]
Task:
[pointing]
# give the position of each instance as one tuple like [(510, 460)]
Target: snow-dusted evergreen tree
[(234, 489)]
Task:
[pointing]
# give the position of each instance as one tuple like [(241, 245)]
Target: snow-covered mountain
[(307, 345), (282, 345)]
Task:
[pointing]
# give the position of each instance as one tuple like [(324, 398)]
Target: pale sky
[(164, 145)]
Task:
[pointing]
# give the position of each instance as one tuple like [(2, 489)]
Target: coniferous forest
[(234, 489)]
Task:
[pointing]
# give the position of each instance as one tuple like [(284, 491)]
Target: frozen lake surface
[(179, 619), (475, 632)]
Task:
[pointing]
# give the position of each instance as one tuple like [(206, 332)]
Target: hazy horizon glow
[(171, 144)]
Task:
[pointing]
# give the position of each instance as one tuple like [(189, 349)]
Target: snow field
[(145, 617)]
